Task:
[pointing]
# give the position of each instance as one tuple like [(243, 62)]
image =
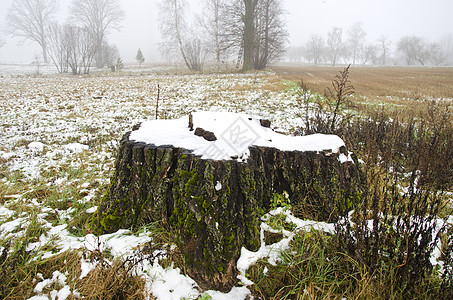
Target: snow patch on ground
[(171, 284), (86, 267), (272, 252), (91, 210), (7, 155), (36, 146), (60, 294), (75, 147)]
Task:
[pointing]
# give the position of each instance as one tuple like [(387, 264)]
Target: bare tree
[(233, 29), (98, 17), (271, 35), (2, 41), (314, 48), (436, 55), (58, 50), (30, 20), (256, 29), (179, 40), (212, 21), (110, 54), (334, 44), (172, 25), (414, 49), (356, 41), (405, 46), (81, 49), (446, 44), (421, 51), (384, 45), (196, 54), (370, 53), (37, 63)]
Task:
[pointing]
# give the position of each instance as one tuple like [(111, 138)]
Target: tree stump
[(212, 201)]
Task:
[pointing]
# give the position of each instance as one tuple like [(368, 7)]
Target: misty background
[(430, 20)]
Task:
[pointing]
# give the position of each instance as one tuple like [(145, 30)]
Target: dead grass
[(403, 82), (112, 281), (19, 281)]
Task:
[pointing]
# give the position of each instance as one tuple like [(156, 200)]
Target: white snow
[(91, 210), (36, 146), (4, 212), (235, 134), (6, 155), (56, 277), (235, 293), (61, 294), (172, 285), (39, 297), (343, 158), (41, 285), (10, 226), (86, 267), (75, 147)]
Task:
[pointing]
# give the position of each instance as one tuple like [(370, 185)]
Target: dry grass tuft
[(111, 282)]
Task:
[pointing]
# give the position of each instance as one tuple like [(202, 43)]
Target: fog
[(394, 18)]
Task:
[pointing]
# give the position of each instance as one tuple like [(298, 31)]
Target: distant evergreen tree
[(119, 64), (139, 57)]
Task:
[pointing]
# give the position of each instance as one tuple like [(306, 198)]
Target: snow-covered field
[(58, 137), (58, 140), (52, 118)]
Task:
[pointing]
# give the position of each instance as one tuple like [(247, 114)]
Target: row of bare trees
[(250, 32), (337, 49), (72, 46), (354, 49)]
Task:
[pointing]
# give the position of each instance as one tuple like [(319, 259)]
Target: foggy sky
[(430, 19)]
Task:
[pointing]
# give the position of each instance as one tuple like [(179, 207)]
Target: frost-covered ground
[(58, 114), (58, 137)]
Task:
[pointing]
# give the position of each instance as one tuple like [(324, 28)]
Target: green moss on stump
[(210, 226)]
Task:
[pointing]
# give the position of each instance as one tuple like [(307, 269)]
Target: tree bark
[(249, 33), (213, 207)]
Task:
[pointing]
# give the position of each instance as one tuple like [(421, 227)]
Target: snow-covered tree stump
[(208, 177)]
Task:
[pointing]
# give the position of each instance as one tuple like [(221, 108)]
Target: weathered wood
[(213, 207)]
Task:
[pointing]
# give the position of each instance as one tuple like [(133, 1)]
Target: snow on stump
[(209, 176)]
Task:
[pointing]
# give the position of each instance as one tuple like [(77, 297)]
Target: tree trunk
[(249, 33), (263, 58), (99, 55), (213, 207), (44, 53)]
